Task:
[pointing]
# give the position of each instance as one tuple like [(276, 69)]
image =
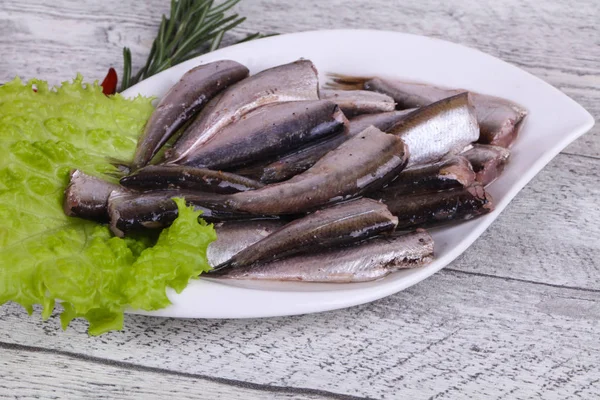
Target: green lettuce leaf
[(47, 257)]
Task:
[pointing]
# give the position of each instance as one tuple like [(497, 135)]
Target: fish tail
[(345, 82)]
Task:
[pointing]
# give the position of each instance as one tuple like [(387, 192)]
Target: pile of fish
[(308, 183)]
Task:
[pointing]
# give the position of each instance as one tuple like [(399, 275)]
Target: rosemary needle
[(193, 27)]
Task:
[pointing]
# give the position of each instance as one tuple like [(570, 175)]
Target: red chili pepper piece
[(109, 84)]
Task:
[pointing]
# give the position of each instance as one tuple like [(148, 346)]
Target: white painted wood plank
[(452, 336), (557, 41), (60, 376)]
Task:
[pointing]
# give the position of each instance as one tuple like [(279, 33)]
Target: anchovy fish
[(86, 196), (488, 161), (195, 88), (340, 224), (183, 177), (371, 260), (268, 131), (499, 119), (431, 209), (450, 173), (355, 102), (438, 129), (288, 82), (301, 160)]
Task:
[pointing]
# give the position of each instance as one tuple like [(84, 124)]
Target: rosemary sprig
[(194, 27)]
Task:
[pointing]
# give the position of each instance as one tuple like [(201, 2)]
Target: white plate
[(554, 121)]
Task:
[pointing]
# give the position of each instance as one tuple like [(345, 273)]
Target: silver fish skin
[(488, 161), (86, 196), (369, 261), (442, 128), (235, 236), (268, 131), (301, 160), (340, 224), (499, 119), (385, 121), (184, 177), (289, 82), (195, 88), (438, 208), (355, 102), (365, 162), (449, 173)]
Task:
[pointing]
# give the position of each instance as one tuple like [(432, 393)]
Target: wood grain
[(515, 317), (60, 375), (453, 335), (549, 233)]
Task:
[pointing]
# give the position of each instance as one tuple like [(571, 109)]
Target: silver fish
[(355, 102), (344, 223), (183, 177), (438, 129), (499, 119), (235, 236), (301, 160), (371, 260), (195, 88), (86, 196), (432, 209), (365, 162), (270, 130), (449, 173), (488, 161), (289, 82)]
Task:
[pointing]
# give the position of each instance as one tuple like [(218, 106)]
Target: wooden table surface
[(516, 316)]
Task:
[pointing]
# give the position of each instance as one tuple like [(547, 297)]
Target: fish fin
[(128, 167), (345, 82), (123, 167)]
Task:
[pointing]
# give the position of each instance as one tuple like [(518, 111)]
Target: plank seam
[(157, 370), (509, 279), (580, 155)]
